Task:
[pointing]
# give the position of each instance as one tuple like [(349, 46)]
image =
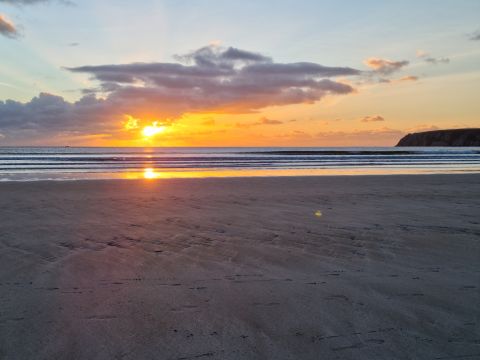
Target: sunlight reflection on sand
[(152, 173)]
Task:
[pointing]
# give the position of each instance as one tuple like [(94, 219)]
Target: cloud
[(437, 61), (261, 121), (208, 122), (266, 121), (384, 81), (475, 36), (213, 54), (408, 78), (374, 118), (50, 114), (430, 59), (218, 80), (211, 79), (7, 28), (384, 66)]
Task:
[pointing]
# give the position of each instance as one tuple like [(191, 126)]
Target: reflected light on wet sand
[(153, 173), (149, 173)]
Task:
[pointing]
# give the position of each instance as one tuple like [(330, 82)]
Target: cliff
[(452, 137)]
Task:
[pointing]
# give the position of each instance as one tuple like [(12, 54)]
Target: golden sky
[(319, 74)]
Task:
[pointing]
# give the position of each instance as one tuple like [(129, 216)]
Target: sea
[(83, 163)]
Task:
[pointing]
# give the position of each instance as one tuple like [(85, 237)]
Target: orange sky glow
[(168, 81)]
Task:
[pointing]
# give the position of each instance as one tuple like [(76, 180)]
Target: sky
[(235, 73)]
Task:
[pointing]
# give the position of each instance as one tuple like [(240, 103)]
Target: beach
[(333, 267)]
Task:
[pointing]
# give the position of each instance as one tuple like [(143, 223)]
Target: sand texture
[(384, 267)]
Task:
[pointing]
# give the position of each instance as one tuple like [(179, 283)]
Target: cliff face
[(453, 137)]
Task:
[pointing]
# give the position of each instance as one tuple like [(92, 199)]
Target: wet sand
[(365, 267)]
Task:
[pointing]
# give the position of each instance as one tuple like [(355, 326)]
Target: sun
[(152, 130)]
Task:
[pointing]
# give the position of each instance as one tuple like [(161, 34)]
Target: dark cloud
[(7, 28), (375, 118), (211, 79), (384, 66), (48, 113)]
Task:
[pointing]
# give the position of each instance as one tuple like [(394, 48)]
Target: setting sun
[(152, 130)]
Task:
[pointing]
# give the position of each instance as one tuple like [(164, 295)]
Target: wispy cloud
[(261, 121), (437, 61), (423, 127), (408, 78), (385, 66), (421, 54), (208, 122), (374, 118)]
